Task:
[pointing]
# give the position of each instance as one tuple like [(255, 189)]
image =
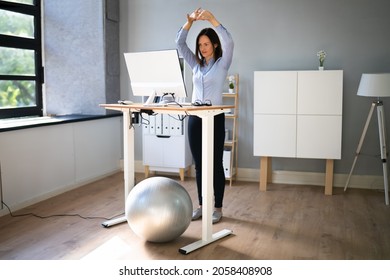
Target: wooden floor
[(286, 222)]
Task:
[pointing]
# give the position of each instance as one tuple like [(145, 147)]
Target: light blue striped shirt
[(208, 80)]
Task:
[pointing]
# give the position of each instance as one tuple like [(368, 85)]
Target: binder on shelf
[(227, 155)]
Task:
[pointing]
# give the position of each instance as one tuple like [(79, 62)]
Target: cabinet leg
[(181, 171), (265, 172), (329, 177), (146, 169)]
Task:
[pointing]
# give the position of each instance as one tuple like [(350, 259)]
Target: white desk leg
[(207, 188), (128, 163), (207, 175), (128, 153)]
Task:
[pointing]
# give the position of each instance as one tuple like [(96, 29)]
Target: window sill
[(30, 122)]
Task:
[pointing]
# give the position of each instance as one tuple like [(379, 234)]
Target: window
[(21, 70)]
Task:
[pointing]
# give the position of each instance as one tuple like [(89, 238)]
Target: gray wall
[(81, 47), (280, 35)]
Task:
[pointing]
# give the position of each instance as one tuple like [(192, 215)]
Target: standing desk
[(206, 113)]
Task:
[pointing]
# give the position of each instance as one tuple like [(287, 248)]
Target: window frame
[(34, 44)]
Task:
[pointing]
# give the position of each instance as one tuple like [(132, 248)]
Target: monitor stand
[(151, 99)]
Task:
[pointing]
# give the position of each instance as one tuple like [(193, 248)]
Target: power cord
[(179, 117), (58, 215)]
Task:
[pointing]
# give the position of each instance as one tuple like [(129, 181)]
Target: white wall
[(41, 162)]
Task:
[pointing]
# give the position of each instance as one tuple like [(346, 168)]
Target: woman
[(210, 65)]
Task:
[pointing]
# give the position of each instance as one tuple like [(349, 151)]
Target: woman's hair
[(213, 36)]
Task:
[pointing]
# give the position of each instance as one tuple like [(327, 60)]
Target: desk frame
[(206, 113)]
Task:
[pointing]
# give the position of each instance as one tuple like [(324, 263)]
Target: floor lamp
[(375, 85)]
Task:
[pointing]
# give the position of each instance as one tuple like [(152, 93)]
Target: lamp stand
[(378, 104)]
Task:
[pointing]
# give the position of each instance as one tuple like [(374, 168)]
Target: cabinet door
[(275, 92), (320, 92), (172, 157), (153, 151), (319, 137), (165, 151), (274, 135)]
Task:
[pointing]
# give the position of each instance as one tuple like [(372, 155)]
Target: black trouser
[(195, 141)]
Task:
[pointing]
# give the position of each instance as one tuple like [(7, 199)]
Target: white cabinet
[(298, 114), (165, 145)]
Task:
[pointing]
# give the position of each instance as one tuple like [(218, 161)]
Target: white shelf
[(231, 123)]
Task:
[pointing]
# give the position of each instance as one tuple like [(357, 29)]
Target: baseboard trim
[(244, 174), (300, 178)]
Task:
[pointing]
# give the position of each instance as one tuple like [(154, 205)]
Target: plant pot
[(321, 68)]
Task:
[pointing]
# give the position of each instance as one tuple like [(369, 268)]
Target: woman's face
[(206, 48)]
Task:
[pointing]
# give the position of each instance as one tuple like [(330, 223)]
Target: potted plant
[(231, 84), (321, 57)]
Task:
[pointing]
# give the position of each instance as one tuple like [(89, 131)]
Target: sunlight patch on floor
[(113, 249)]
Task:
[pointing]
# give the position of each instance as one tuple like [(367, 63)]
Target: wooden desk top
[(168, 108)]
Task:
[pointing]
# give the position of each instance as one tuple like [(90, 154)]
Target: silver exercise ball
[(158, 209)]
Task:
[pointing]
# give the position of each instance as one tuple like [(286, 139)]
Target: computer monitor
[(155, 74)]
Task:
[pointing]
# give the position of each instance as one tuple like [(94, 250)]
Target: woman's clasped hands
[(200, 14)]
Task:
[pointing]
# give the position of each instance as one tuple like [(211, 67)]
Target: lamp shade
[(374, 85)]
